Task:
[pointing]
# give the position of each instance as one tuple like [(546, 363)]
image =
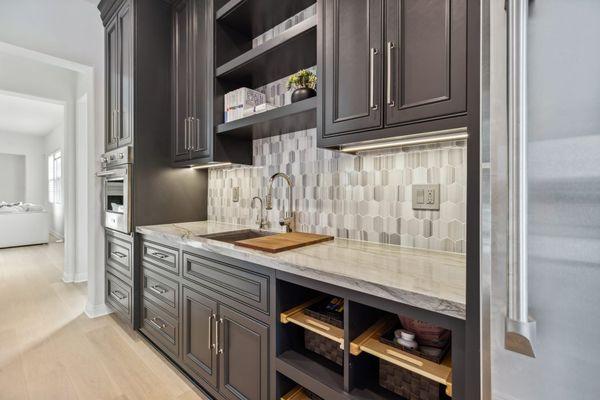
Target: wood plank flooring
[(49, 349)]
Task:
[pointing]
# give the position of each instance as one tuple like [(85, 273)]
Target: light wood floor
[(49, 349)]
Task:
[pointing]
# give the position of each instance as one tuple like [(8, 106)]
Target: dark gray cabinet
[(353, 67), (199, 353), (119, 78), (244, 356), (192, 73), (426, 55), (391, 67)]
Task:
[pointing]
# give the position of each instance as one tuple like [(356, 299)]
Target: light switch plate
[(426, 197), (236, 194)]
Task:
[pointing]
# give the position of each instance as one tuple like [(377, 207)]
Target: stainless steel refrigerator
[(540, 169)]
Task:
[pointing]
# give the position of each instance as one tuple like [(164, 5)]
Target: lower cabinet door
[(199, 349), (244, 355)]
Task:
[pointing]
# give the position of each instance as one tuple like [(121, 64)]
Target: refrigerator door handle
[(520, 334)]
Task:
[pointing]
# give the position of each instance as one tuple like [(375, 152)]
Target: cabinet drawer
[(162, 290), (119, 254), (163, 257), (160, 327), (247, 287), (119, 296)]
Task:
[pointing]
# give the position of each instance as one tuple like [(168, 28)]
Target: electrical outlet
[(426, 197), (236, 194)]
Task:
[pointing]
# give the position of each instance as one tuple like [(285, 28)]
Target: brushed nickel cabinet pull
[(217, 336), (372, 104), (118, 254), (390, 47), (158, 289), (185, 134), (211, 345), (160, 255), (118, 295), (220, 325), (159, 323)]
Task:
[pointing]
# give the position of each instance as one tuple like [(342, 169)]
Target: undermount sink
[(234, 236)]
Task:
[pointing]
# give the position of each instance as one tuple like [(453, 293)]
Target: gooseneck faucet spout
[(260, 220), (288, 216)]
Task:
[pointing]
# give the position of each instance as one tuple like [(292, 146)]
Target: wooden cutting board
[(283, 241)]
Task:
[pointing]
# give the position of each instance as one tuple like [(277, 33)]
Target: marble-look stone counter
[(431, 280)]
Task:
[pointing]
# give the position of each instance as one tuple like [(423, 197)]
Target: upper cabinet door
[(201, 126), (181, 80), (125, 75), (426, 59), (244, 360), (353, 58), (112, 85)]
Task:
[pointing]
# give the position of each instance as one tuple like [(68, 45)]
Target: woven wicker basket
[(324, 347), (408, 384)]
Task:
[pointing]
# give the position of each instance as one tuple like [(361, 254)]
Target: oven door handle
[(113, 172)]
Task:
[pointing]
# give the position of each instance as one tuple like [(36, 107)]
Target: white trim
[(11, 49), (57, 235), (85, 245), (99, 310)]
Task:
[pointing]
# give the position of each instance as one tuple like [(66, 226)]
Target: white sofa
[(24, 228)]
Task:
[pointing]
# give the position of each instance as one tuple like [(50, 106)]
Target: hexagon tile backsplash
[(362, 197)]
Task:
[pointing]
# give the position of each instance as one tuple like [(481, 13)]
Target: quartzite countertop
[(431, 280)]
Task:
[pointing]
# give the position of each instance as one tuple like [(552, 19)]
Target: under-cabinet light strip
[(411, 140), (213, 165)]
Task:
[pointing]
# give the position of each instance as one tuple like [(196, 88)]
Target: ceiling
[(29, 116)]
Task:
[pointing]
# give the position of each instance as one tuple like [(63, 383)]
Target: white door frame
[(81, 211)]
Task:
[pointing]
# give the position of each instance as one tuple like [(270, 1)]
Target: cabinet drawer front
[(249, 288), (160, 327), (161, 256), (119, 254), (162, 290), (119, 296)]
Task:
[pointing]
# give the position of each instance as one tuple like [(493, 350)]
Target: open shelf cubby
[(371, 356), (239, 63), (283, 55), (311, 339)]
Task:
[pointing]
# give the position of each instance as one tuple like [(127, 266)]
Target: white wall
[(32, 147), (12, 177), (70, 30), (52, 142)]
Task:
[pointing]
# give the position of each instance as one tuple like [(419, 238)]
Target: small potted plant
[(304, 82)]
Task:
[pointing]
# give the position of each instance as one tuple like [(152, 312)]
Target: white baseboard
[(75, 278), (95, 311), (57, 235)]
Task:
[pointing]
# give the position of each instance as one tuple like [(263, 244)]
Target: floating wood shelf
[(369, 343), (297, 393), (279, 57), (253, 18), (289, 118), (296, 316)]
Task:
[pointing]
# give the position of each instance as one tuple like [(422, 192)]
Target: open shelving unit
[(369, 343), (373, 367), (238, 64)]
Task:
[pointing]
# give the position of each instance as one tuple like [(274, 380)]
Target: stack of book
[(243, 102)]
